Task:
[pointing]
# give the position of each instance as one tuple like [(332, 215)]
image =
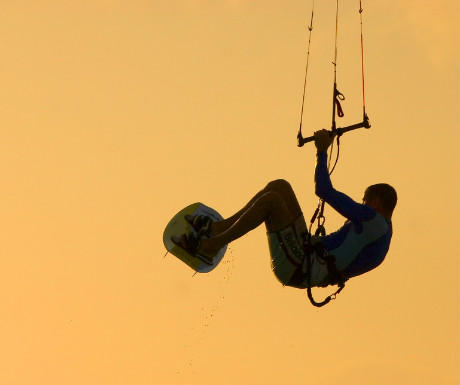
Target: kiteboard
[(178, 225)]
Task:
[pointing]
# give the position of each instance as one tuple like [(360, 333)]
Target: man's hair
[(386, 194)]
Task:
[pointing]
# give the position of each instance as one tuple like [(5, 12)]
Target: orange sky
[(116, 114)]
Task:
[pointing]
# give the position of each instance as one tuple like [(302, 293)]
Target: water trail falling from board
[(198, 334)]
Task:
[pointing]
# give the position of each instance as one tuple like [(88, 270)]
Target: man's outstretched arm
[(341, 202)]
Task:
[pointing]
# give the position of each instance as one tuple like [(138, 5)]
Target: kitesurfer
[(359, 246)]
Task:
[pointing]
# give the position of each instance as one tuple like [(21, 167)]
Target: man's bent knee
[(284, 188), (278, 212), (279, 185)]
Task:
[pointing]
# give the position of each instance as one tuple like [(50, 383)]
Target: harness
[(335, 277), (304, 270)]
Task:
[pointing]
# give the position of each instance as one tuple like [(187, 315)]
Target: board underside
[(178, 226)]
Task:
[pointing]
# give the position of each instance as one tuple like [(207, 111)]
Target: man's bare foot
[(217, 228), (207, 249)]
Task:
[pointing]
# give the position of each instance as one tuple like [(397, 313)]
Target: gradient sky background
[(116, 114)]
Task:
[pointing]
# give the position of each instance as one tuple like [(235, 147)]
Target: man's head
[(381, 197)]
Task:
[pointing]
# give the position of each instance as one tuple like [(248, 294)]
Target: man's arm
[(341, 202)]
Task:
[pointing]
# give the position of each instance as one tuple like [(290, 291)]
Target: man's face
[(371, 202)]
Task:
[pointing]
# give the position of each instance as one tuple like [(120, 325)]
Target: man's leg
[(279, 186), (276, 206)]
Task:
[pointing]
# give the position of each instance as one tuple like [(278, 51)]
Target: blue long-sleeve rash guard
[(361, 244)]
